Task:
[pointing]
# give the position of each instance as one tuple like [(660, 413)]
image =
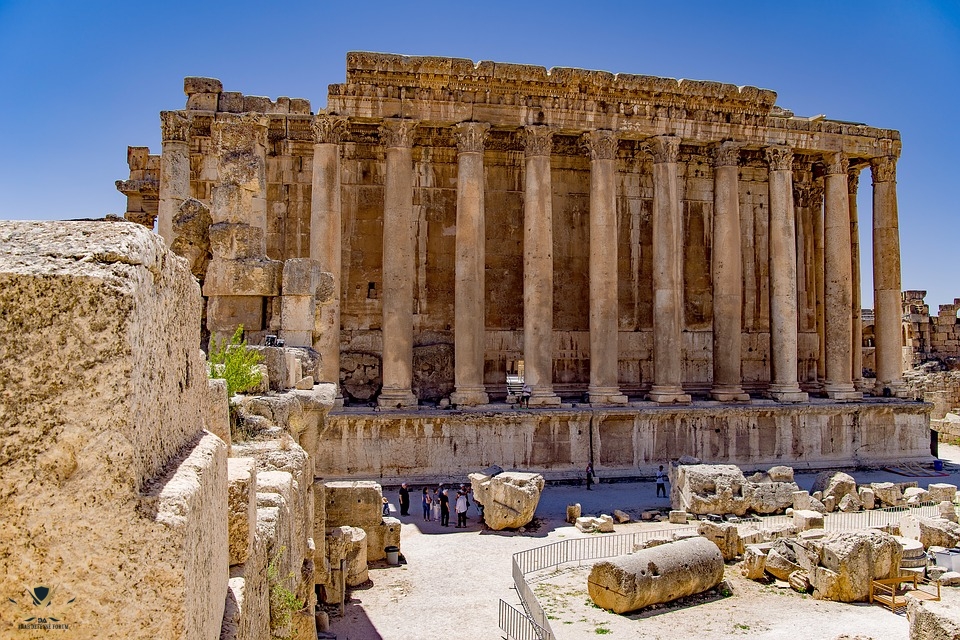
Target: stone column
[(783, 279), (816, 208), (886, 276), (604, 345), (469, 310), (856, 351), (727, 276), (325, 230), (174, 170), (667, 273), (838, 290), (399, 268), (538, 266)]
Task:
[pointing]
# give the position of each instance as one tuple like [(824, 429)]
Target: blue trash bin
[(938, 465)]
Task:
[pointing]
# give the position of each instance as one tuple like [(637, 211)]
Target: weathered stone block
[(202, 101), (867, 497), (678, 516), (381, 536), (236, 241), (723, 534), (243, 278), (940, 491), (573, 512), (702, 489), (887, 493), (849, 561), (355, 503), (241, 508), (217, 410), (781, 474), (931, 532), (805, 519), (193, 84), (850, 502), (931, 620), (230, 101), (509, 499), (834, 484), (226, 313), (754, 562), (620, 516), (298, 315), (301, 277)]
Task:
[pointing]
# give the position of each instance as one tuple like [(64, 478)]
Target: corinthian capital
[(853, 180), (329, 129), (664, 148), (471, 136), (397, 132), (537, 140), (174, 126), (601, 143), (836, 163), (801, 194), (726, 154), (883, 169), (779, 158)]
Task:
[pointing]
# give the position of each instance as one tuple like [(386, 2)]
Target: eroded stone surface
[(509, 499)]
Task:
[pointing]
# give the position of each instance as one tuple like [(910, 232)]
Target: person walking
[(461, 510), (589, 476), (661, 483), (404, 500), (426, 505), (435, 505), (525, 394), (444, 509)]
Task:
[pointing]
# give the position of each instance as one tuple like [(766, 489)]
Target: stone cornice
[(237, 130), (779, 158), (664, 148), (601, 143), (537, 141), (884, 169), (471, 136), (174, 126), (397, 132), (329, 129)]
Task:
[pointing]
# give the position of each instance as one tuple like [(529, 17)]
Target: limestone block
[(887, 493), (723, 534), (621, 516), (236, 241), (829, 504), (655, 575), (573, 512), (230, 102), (249, 277), (914, 495), (217, 409), (754, 561), (301, 277), (253, 602), (202, 102), (678, 517), (276, 361), (294, 372), (940, 491), (799, 582), (950, 579), (780, 474), (805, 519), (241, 507), (701, 489), (433, 371), (769, 497), (587, 524), (817, 495), (816, 505), (350, 544), (932, 620), (355, 503), (226, 313), (305, 384), (233, 612), (779, 563), (867, 497), (835, 484), (509, 499), (191, 238), (386, 534), (948, 511), (850, 502), (605, 523), (263, 386), (849, 560), (193, 84), (930, 531), (297, 315), (801, 500)]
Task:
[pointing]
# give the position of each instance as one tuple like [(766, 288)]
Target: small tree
[(235, 363)]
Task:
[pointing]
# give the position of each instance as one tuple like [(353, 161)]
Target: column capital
[(174, 126), (471, 136), (537, 140), (816, 194), (780, 158), (802, 194), (836, 163), (601, 143), (853, 180), (398, 132), (664, 148), (329, 129), (883, 169), (726, 154)]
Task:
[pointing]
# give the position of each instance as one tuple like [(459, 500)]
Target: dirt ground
[(452, 580)]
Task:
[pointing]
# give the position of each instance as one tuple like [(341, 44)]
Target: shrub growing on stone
[(235, 363)]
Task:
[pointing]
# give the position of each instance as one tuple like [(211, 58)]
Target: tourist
[(404, 500), (661, 483), (426, 505), (525, 394), (386, 507), (589, 476), (435, 505), (461, 510), (444, 509)]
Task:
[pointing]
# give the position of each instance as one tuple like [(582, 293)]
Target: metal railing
[(517, 624), (853, 520)]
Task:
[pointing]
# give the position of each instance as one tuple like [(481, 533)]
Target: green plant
[(234, 362), (601, 631), (283, 602)]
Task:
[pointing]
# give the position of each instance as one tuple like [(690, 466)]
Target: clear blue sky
[(79, 81)]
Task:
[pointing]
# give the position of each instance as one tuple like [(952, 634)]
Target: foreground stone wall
[(556, 443)]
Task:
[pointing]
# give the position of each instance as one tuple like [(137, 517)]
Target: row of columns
[(840, 256)]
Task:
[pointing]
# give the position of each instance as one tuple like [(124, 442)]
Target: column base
[(863, 384), (469, 397), (787, 393), (669, 395), (606, 395), (729, 394), (544, 399), (396, 399), (841, 391), (892, 389)]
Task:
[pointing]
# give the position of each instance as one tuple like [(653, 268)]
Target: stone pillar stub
[(856, 351), (784, 386), (667, 273), (469, 311), (886, 276), (727, 272), (174, 170), (838, 383), (538, 266), (604, 342), (399, 268), (325, 233)]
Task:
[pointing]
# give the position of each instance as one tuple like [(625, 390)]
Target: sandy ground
[(453, 579)]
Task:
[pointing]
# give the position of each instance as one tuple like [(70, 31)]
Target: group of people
[(436, 505), (661, 480)]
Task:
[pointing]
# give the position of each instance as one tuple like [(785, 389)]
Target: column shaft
[(399, 269), (174, 170), (727, 277), (816, 205), (604, 342), (469, 310), (838, 291), (886, 277), (667, 274), (538, 267), (856, 352), (783, 279)]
